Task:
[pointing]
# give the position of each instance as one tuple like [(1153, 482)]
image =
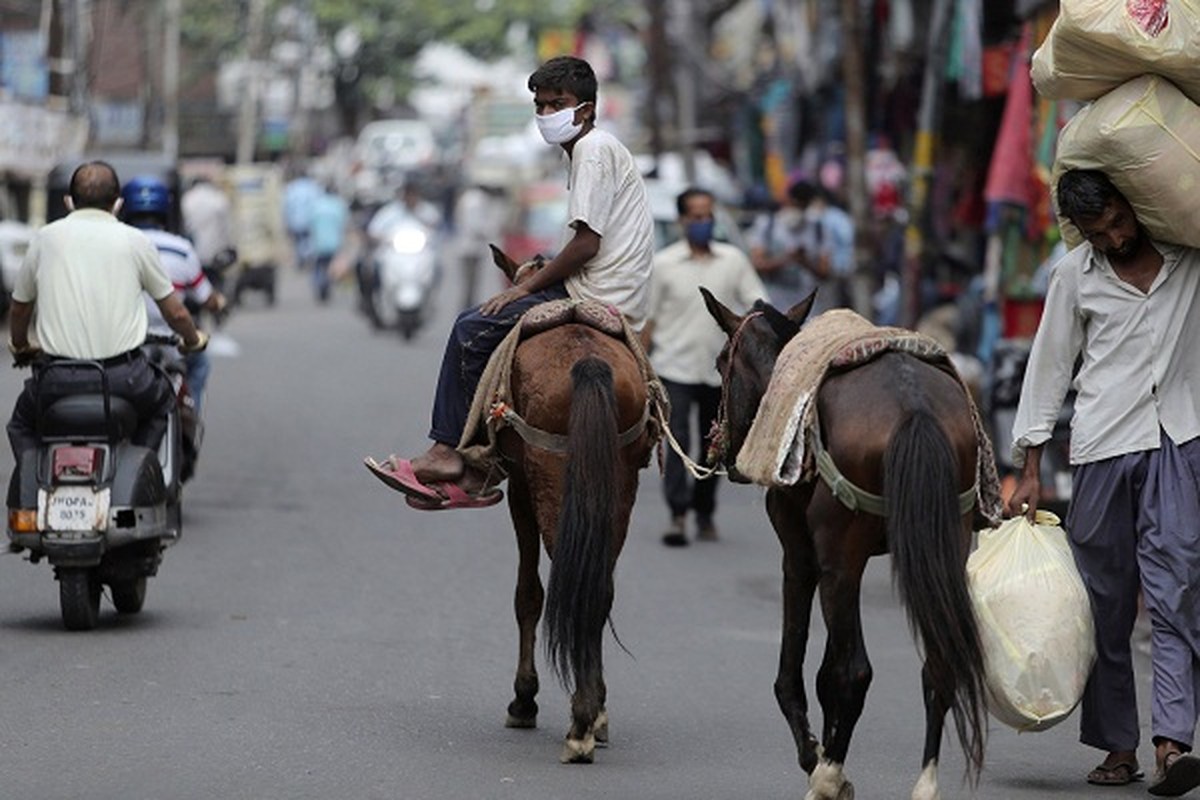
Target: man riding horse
[(607, 259)]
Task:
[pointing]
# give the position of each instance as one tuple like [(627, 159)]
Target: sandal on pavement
[(1180, 774), (1118, 774), (398, 474), (451, 495)]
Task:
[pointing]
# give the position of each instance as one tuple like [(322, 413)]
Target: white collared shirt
[(1140, 357), (86, 273), (686, 339)]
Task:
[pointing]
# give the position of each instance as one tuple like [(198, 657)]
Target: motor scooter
[(405, 272), (191, 426), (100, 509)]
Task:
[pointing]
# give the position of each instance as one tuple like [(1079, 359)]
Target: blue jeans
[(198, 367), (472, 341)]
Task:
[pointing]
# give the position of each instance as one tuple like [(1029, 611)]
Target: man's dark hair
[(94, 185), (804, 192), (566, 74), (1085, 193), (681, 202)]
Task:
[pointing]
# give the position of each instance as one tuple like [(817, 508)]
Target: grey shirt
[(1140, 368)]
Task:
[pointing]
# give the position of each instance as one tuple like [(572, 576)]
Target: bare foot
[(441, 462)]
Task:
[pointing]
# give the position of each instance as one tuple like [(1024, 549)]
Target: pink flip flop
[(398, 474), (455, 497)]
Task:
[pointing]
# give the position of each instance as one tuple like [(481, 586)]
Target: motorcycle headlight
[(409, 241)]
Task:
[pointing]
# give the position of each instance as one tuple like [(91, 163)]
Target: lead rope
[(718, 435)]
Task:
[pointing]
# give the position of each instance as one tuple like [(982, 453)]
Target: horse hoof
[(828, 782), (600, 729), (520, 722), (579, 751)]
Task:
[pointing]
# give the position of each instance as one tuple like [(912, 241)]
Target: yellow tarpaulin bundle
[(1096, 45), (1035, 621), (1145, 135)]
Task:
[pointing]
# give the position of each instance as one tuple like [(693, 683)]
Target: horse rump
[(579, 590), (929, 549)]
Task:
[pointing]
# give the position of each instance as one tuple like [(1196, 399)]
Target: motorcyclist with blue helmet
[(147, 206)]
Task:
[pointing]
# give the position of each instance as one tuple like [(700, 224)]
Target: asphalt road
[(312, 637)]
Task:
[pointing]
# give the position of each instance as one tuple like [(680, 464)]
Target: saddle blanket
[(493, 396), (776, 451)]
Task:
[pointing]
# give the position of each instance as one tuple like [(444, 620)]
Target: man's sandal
[(1180, 774), (1118, 774)]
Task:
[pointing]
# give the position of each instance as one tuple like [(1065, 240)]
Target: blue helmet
[(146, 194)]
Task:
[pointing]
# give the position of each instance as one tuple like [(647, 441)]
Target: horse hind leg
[(587, 717), (936, 707)]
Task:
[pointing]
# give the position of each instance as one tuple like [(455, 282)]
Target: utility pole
[(685, 86), (854, 79), (659, 66), (928, 121), (247, 129), (172, 20)]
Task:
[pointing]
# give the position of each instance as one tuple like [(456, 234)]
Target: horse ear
[(506, 264), (728, 320), (782, 324), (799, 312)]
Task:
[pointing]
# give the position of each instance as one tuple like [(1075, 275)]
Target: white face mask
[(559, 127)]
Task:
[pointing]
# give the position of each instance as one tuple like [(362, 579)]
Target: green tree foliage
[(392, 32)]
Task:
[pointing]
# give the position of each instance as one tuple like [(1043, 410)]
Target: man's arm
[(582, 247), (19, 319), (1025, 497), (177, 316)]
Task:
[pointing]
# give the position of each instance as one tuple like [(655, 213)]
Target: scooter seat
[(83, 415)]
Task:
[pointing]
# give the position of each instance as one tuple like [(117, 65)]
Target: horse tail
[(924, 528), (579, 593)]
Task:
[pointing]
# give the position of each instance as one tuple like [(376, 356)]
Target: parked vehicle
[(97, 507), (404, 274)]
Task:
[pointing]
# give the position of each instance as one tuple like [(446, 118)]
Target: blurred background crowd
[(913, 120)]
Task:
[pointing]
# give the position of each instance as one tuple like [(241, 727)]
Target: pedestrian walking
[(683, 344), (1126, 309)]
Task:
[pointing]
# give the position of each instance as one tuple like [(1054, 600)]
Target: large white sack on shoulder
[(1096, 45), (1145, 135), (1035, 622)]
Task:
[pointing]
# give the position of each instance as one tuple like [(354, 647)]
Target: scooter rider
[(85, 274), (147, 204)]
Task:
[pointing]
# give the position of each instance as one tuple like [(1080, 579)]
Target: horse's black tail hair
[(925, 537), (579, 594)]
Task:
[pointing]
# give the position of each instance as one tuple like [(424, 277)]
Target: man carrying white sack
[(1129, 308)]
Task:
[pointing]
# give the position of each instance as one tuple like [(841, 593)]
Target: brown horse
[(577, 382), (898, 427)]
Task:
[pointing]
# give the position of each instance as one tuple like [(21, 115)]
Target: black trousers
[(682, 492), (147, 389)]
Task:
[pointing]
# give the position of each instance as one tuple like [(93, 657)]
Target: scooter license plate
[(73, 508)]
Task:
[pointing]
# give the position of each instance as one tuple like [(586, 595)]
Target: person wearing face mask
[(805, 245), (607, 254), (684, 344), (85, 275)]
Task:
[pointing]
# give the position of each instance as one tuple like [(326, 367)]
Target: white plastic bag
[(1035, 621)]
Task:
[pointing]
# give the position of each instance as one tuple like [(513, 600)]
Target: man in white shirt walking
[(684, 344), (1127, 308)]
